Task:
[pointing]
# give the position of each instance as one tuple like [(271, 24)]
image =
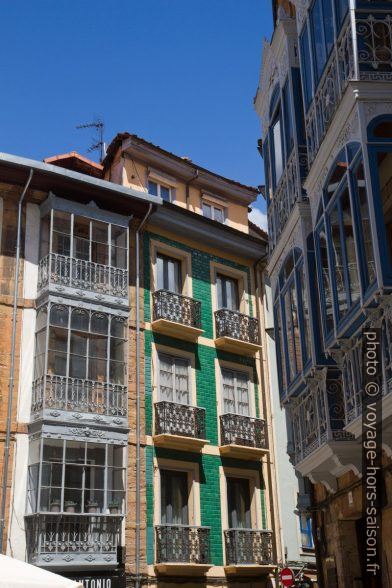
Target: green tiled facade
[(206, 390)]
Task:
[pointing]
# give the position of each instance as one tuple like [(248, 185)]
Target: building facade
[(324, 99), (211, 509), (67, 442)]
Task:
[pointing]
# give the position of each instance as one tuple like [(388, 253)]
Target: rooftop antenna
[(98, 143)]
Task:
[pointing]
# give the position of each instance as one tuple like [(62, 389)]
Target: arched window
[(380, 161), (344, 249), (291, 308)]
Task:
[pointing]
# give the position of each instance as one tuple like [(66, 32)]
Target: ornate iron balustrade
[(288, 192), (177, 308), (182, 544), (78, 395), (54, 539), (230, 323), (248, 546), (179, 419), (79, 273), (338, 71), (243, 430), (374, 41), (317, 418)]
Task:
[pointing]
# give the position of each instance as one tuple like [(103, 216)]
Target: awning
[(18, 574)]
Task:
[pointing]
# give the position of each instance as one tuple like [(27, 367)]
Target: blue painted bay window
[(380, 160), (292, 333), (344, 248)]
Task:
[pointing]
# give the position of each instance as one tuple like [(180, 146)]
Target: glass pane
[(165, 193), (290, 339), (326, 280), (40, 342), (229, 403), (288, 119), (153, 188), (119, 257), (242, 394), (297, 339), (95, 454), (77, 367), (328, 24), (305, 311), (207, 211), (160, 272), (341, 7), (337, 175), (119, 236), (61, 244), (44, 236), (53, 450), (182, 381), (384, 166), (166, 378), (80, 320), (306, 66), (99, 323), (318, 38), (349, 242), (337, 261), (78, 343), (117, 372), (218, 215), (173, 275), (118, 327), (174, 497), (99, 253), (98, 347), (117, 349), (59, 316), (365, 220), (97, 369), (75, 452), (219, 287), (238, 499), (281, 347), (58, 339), (100, 232), (278, 151), (62, 222), (57, 363)]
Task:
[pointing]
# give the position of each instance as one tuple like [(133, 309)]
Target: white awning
[(18, 574)]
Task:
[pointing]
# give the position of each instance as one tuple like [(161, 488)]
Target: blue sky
[(179, 73)]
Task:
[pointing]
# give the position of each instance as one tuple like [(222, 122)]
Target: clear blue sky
[(179, 73)]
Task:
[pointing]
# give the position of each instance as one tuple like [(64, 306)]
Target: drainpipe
[(187, 187), (7, 445), (137, 506)]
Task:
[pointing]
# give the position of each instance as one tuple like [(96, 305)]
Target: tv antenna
[(98, 143)]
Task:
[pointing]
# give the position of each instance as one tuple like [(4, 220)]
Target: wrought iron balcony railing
[(179, 419), (72, 539), (230, 323), (78, 273), (248, 546), (177, 308), (78, 395), (338, 71), (319, 417), (374, 39), (182, 544), (243, 430)]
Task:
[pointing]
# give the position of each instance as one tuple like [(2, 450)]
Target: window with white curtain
[(169, 273), (174, 379), (235, 392)]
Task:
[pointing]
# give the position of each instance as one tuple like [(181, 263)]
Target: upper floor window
[(174, 498), (75, 477), (235, 390), (214, 212), (83, 238), (380, 155), (238, 503), (292, 319), (80, 344), (228, 292), (169, 275), (165, 192), (174, 379), (276, 144), (343, 238), (305, 523)]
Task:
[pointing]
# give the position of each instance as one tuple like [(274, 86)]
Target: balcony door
[(238, 503), (228, 295), (174, 498), (169, 274), (174, 379), (235, 392)]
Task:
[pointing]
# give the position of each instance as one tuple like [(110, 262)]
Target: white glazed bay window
[(75, 477)]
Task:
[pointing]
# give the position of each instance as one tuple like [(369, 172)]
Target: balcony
[(288, 192), (60, 273), (248, 551), (322, 449), (242, 436), (236, 332), (182, 549), (70, 399), (176, 315), (72, 541), (179, 426)]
